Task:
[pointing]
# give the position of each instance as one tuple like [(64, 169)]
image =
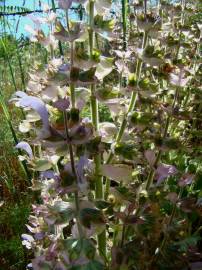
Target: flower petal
[(26, 147)]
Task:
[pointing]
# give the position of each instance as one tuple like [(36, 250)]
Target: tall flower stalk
[(132, 103), (73, 168), (79, 157), (95, 120)]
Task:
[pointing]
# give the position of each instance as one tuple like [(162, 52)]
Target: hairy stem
[(71, 154), (152, 171), (95, 121), (130, 109), (72, 86), (166, 236)]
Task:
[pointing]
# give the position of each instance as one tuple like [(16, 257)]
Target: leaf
[(126, 150), (26, 147), (152, 61), (105, 25), (92, 265), (104, 68), (24, 126), (102, 204), (88, 248), (87, 75), (42, 165), (101, 6), (188, 242), (91, 215), (63, 212), (116, 105), (76, 31), (118, 172), (107, 131), (61, 206), (50, 93)]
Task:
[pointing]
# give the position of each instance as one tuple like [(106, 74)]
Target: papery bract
[(118, 172), (163, 171)]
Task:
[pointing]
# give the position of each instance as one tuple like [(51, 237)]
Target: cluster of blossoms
[(104, 186)]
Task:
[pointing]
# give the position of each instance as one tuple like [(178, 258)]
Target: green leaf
[(102, 204), (87, 75), (126, 150), (42, 165), (88, 248), (62, 211)]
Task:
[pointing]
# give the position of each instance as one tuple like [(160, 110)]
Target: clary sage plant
[(120, 194)]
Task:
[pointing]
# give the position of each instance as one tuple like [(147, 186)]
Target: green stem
[(130, 109), (95, 121), (152, 171), (166, 236)]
